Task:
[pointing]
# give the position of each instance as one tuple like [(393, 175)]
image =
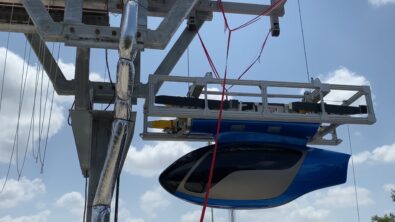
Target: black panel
[(331, 109), (238, 157)]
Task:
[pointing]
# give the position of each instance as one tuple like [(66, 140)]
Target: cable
[(5, 59), (230, 30), (17, 131), (188, 67), (258, 58), (253, 20), (353, 172), (69, 117), (15, 145), (208, 187), (50, 110), (304, 43), (111, 82), (34, 108)]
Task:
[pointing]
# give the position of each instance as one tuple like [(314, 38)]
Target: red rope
[(215, 71), (210, 61)]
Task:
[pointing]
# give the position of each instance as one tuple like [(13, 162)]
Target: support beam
[(175, 53), (73, 11), (160, 37), (81, 116), (45, 25), (82, 91), (102, 121), (61, 85)]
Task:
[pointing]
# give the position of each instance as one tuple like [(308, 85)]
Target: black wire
[(117, 199), (304, 43), (353, 172), (69, 117)]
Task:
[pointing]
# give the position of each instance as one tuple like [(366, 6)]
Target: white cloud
[(68, 70), (344, 196), (151, 160), (343, 76), (382, 154), (16, 192), (72, 201), (153, 201), (381, 2), (134, 220), (10, 105), (389, 187), (296, 211), (194, 216), (40, 217), (313, 207)]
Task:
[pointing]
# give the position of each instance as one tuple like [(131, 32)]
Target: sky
[(347, 42)]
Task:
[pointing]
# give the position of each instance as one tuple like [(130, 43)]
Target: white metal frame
[(329, 122)]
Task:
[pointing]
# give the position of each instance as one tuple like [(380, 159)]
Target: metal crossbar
[(312, 93)]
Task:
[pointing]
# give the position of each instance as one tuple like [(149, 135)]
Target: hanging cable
[(19, 171), (38, 71), (41, 154), (353, 173), (69, 117), (208, 187), (15, 145), (34, 111), (188, 67), (111, 82), (230, 30), (5, 59), (270, 9), (50, 110), (304, 42)]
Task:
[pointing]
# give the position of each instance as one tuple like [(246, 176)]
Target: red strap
[(257, 58), (215, 71), (210, 61)]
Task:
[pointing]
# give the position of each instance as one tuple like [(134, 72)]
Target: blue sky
[(348, 42)]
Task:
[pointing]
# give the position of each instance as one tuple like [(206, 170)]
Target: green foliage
[(387, 217)]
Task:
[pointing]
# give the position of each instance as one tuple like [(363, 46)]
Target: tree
[(387, 217)]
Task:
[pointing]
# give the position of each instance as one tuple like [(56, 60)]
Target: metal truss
[(315, 93), (84, 24)]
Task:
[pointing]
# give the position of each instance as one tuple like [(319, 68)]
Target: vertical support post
[(124, 118), (101, 134), (73, 11), (82, 94)]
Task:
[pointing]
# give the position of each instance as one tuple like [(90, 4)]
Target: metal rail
[(329, 122)]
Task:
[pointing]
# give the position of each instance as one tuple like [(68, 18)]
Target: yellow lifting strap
[(161, 124)]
